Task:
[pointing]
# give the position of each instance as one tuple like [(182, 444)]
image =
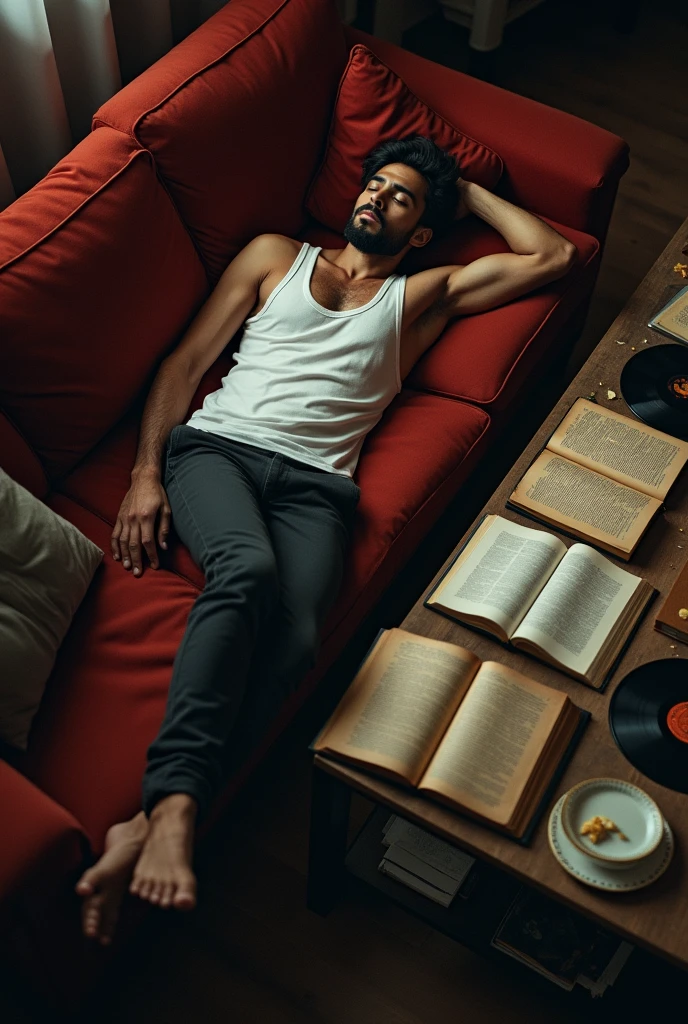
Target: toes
[(185, 898), (91, 916), (86, 884), (156, 892), (145, 889), (167, 894)]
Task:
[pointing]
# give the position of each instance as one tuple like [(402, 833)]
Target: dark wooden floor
[(251, 952)]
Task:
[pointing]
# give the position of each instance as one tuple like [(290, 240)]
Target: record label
[(677, 720), (678, 386)]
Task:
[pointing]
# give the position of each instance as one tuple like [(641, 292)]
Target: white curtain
[(61, 59)]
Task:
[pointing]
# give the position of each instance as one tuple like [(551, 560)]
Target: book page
[(619, 447), (580, 498), (488, 754), (400, 703), (674, 317), (503, 574), (578, 607)]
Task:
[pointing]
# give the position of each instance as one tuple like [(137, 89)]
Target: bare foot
[(163, 873), (104, 885)]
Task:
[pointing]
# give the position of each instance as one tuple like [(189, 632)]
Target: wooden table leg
[(330, 805)]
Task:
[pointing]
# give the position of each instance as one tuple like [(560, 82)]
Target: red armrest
[(38, 834), (556, 165)]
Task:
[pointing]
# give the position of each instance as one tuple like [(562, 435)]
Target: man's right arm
[(174, 386), (215, 324)]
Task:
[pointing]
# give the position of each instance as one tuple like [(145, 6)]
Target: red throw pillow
[(373, 104)]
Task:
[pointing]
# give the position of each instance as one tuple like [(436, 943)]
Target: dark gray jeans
[(270, 535)]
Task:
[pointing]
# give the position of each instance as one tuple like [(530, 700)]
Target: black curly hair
[(439, 168)]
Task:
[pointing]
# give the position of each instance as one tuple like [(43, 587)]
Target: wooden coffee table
[(656, 917)]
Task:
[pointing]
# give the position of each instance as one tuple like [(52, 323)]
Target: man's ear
[(420, 237)]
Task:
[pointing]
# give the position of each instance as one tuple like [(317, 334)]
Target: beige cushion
[(46, 566)]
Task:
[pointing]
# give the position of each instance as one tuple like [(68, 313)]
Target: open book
[(479, 737), (672, 318), (571, 608), (602, 477)]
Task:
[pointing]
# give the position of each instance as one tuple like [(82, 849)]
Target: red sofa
[(102, 266)]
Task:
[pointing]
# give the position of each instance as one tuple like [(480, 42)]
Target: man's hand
[(135, 524)]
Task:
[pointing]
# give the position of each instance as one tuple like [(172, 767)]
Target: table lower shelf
[(473, 921)]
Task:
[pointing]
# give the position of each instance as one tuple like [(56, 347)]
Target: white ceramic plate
[(630, 808), (599, 875)]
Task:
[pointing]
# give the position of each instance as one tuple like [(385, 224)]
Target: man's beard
[(377, 243)]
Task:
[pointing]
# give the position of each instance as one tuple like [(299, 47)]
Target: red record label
[(677, 720)]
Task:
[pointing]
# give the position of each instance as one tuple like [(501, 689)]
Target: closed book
[(672, 617), (672, 319), (415, 882)]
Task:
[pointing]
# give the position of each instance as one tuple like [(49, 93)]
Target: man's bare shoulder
[(273, 247)]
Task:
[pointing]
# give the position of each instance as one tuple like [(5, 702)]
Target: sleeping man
[(259, 481)]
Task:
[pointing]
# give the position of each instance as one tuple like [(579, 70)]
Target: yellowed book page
[(675, 318), (579, 607), (503, 574), (619, 447), (468, 549), (400, 703), (490, 750), (584, 500)]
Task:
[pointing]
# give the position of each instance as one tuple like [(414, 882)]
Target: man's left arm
[(539, 255)]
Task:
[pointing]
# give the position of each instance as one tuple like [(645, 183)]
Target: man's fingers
[(114, 539), (124, 545), (165, 519), (135, 548), (149, 543)]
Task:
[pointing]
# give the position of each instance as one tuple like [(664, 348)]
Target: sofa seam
[(72, 213)]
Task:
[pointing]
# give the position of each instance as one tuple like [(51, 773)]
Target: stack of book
[(560, 944), (423, 862)]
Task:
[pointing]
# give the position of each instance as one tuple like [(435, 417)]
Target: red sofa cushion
[(97, 276), (19, 461), (236, 115), (373, 105)]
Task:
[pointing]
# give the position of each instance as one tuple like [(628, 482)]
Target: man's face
[(387, 212)]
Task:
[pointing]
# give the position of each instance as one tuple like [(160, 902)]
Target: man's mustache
[(371, 209)]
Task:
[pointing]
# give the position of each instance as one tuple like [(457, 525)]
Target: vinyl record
[(654, 384), (648, 718)]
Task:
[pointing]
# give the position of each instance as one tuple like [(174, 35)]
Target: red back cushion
[(236, 117), (373, 105), (98, 279)]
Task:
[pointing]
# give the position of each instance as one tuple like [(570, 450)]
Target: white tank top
[(310, 382)]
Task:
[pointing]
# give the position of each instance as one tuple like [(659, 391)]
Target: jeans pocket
[(168, 452)]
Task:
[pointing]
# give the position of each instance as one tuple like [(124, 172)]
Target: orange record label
[(677, 720), (678, 386)]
